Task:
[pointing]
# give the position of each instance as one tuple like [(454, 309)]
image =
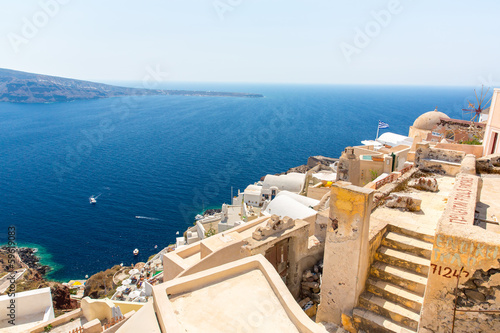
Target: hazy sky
[(446, 42)]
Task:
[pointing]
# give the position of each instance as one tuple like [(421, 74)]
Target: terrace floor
[(245, 302), (432, 207)]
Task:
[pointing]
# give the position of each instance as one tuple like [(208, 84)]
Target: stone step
[(390, 310), (403, 259), (399, 276), (373, 323), (408, 244), (421, 232), (395, 294)]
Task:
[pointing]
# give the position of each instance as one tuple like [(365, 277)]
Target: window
[(495, 142)]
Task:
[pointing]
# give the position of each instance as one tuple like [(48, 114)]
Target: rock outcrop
[(488, 164), (404, 201), (61, 298), (424, 184)]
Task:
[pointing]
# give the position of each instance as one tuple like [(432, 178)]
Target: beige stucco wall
[(298, 249), (493, 124), (222, 256), (460, 248), (126, 307), (366, 167), (317, 192), (476, 150), (418, 135), (143, 321)]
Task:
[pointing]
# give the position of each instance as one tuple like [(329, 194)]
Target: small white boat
[(93, 199), (198, 217), (136, 252)]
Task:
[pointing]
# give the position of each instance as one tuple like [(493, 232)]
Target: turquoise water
[(167, 157)]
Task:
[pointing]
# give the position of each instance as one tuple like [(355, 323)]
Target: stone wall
[(476, 150), (488, 164), (441, 161)]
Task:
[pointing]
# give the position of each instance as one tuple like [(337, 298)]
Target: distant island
[(23, 87)]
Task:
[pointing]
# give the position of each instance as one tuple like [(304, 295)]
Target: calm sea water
[(166, 158)]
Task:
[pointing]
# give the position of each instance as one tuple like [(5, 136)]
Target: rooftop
[(253, 189), (260, 301), (428, 120), (292, 205)]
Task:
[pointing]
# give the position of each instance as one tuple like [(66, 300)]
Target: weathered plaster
[(346, 257)]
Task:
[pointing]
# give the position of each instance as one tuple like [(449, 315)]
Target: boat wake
[(148, 218)]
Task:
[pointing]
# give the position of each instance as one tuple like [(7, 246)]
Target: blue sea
[(168, 157)]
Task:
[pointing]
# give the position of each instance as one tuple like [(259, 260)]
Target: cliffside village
[(399, 234)]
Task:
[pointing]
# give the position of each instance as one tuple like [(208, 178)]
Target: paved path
[(5, 281)]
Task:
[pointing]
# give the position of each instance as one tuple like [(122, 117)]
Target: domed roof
[(428, 120)]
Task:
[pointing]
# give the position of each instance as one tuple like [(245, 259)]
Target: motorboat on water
[(136, 252), (93, 199)]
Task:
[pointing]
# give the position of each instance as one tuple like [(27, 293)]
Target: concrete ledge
[(461, 204), (63, 319), (93, 326)]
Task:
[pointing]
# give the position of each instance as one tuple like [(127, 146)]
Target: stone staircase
[(394, 292)]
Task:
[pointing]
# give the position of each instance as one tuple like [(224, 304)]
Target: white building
[(252, 195), (292, 182), (255, 195), (389, 139), (28, 308), (291, 204)]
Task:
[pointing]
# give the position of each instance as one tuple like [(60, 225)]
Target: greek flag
[(381, 124)]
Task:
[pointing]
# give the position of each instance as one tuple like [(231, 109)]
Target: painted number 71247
[(447, 271)]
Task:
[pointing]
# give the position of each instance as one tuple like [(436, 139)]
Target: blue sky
[(295, 41)]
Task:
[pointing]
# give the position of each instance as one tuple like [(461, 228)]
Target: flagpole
[(378, 128)]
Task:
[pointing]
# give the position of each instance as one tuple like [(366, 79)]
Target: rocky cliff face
[(22, 87), (61, 298)]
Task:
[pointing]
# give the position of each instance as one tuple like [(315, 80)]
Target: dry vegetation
[(100, 285)]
